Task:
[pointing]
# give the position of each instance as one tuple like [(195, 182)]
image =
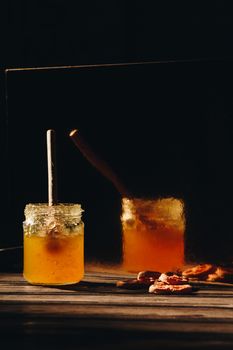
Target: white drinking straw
[(51, 159)]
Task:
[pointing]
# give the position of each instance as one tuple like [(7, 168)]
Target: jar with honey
[(53, 244)]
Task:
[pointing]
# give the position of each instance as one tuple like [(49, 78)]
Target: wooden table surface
[(95, 314)]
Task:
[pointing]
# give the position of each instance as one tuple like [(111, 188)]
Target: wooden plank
[(87, 310), (133, 300), (39, 315), (99, 292), (95, 314)]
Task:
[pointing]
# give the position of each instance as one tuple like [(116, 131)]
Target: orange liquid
[(53, 260), (153, 234), (157, 250)]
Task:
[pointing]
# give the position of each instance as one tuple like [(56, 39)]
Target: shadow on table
[(99, 287)]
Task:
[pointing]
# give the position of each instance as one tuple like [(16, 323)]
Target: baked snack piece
[(164, 288), (199, 272), (210, 273), (172, 279), (148, 276), (144, 280), (171, 284), (221, 274)]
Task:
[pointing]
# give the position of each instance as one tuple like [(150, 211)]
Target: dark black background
[(165, 128), (58, 32)]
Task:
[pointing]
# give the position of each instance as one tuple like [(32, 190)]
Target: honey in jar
[(53, 244), (153, 234)]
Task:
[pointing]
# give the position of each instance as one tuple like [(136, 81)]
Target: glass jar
[(53, 244), (153, 234)]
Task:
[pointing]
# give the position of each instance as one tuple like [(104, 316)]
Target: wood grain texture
[(96, 314)]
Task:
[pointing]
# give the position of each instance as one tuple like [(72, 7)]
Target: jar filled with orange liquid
[(153, 234), (53, 244)]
